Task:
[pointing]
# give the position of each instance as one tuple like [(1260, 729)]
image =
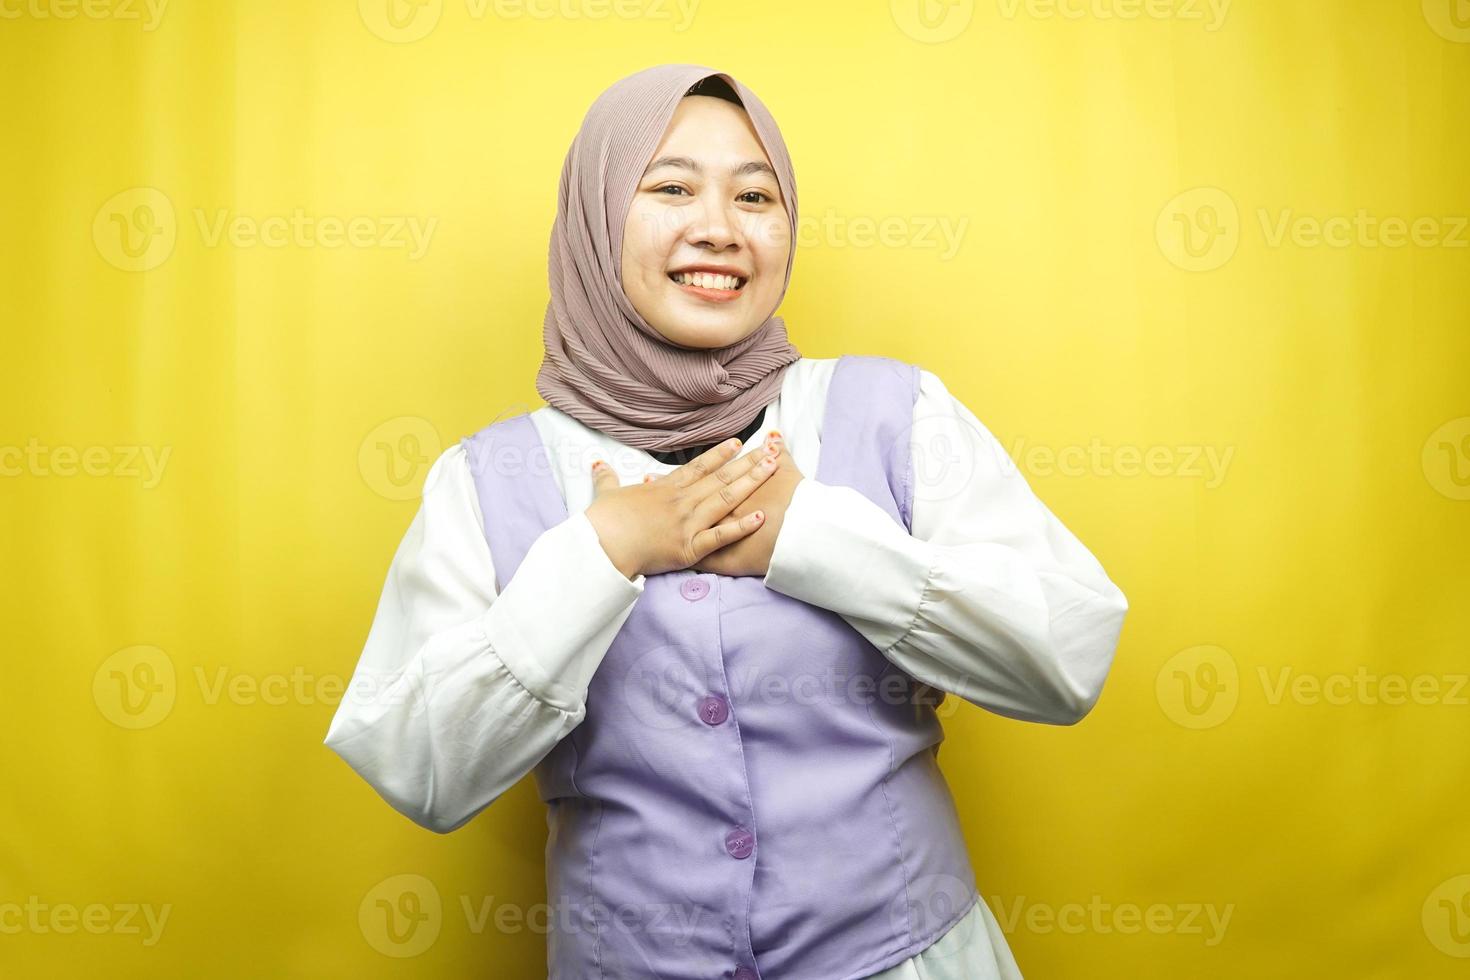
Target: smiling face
[(707, 216)]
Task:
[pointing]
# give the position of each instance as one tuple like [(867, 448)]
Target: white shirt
[(460, 692)]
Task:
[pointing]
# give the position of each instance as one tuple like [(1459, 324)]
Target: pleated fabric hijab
[(604, 365)]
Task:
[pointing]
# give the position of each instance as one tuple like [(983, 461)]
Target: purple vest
[(754, 791)]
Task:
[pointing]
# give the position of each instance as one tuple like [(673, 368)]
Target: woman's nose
[(714, 227)]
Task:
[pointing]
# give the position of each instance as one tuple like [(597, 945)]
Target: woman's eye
[(761, 197), (668, 187)]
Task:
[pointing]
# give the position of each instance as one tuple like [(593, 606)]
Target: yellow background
[(1074, 313)]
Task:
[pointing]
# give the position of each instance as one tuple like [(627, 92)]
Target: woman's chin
[(705, 333)]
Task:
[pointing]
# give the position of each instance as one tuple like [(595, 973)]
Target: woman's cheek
[(651, 229), (771, 234)]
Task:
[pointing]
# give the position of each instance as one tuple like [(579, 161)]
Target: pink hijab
[(604, 365)]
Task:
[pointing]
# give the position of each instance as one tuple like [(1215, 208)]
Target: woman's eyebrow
[(739, 170)]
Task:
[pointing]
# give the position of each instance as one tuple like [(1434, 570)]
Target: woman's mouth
[(709, 286)]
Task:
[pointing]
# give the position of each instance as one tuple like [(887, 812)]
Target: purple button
[(739, 843), (713, 710), (745, 973), (694, 589)]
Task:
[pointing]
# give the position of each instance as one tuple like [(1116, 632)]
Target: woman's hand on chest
[(672, 522), (751, 555)]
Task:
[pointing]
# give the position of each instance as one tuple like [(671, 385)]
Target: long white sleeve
[(459, 692), (991, 597)]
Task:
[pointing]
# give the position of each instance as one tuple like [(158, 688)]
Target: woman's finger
[(603, 479), (705, 463), (720, 498), (714, 538), (727, 474)]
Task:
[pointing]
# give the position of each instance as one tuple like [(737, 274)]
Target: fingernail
[(759, 516), (596, 463)]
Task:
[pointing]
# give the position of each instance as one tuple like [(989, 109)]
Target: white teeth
[(707, 280)]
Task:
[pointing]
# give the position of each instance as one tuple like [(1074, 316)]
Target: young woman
[(712, 593)]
